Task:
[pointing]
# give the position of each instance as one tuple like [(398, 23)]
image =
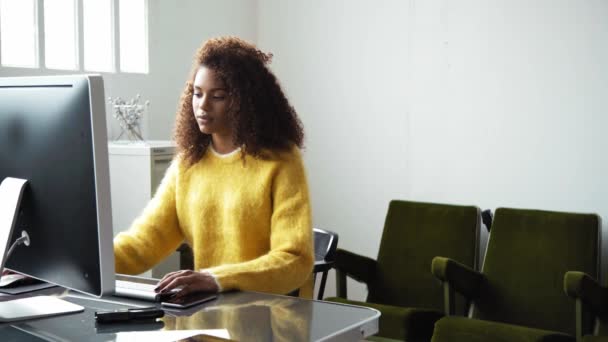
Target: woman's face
[(210, 103)]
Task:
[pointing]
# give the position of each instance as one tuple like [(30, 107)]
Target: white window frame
[(115, 36)]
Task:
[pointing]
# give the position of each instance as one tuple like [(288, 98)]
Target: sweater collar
[(224, 155)]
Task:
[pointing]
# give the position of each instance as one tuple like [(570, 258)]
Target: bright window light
[(133, 36), (18, 33), (98, 32), (60, 34)]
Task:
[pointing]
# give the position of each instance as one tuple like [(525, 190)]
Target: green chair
[(518, 295), (399, 282), (589, 297)]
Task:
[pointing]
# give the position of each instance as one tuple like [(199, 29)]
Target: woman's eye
[(197, 94), (218, 97)]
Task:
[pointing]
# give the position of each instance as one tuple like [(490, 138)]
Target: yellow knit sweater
[(248, 223)]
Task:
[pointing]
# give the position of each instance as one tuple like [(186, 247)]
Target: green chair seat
[(473, 330), (411, 323)]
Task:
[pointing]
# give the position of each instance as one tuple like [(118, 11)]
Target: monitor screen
[(53, 134)]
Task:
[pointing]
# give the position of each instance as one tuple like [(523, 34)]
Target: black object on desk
[(128, 315)]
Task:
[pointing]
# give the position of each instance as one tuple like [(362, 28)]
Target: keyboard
[(139, 288), (125, 288)]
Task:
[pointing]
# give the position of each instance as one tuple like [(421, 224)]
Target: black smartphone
[(188, 300)]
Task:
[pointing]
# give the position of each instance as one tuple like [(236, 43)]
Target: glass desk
[(243, 316)]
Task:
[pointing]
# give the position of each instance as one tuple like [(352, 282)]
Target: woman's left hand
[(189, 281)]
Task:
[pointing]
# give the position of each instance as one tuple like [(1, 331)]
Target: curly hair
[(262, 118)]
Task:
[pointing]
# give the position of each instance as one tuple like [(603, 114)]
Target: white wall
[(508, 104), (492, 103), (344, 65), (511, 111), (176, 30)]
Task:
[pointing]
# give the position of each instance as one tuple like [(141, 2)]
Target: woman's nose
[(204, 103)]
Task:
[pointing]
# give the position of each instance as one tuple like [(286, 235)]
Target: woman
[(236, 191)]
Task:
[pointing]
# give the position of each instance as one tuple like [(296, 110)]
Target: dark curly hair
[(261, 116)]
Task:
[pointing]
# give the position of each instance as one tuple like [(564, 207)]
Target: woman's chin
[(205, 129)]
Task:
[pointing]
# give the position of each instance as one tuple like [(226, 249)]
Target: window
[(60, 35), (133, 42), (83, 35), (98, 33), (18, 33)]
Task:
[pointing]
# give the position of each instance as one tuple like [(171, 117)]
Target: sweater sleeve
[(154, 234), (289, 262)]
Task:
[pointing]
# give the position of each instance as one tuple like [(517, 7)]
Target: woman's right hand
[(189, 281)]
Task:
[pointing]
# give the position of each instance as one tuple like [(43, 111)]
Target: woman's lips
[(203, 120)]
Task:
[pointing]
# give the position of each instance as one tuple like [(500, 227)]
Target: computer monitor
[(54, 170)]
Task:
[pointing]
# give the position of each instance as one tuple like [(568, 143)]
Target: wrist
[(218, 287)]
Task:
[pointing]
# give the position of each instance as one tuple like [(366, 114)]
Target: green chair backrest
[(528, 253), (414, 233)]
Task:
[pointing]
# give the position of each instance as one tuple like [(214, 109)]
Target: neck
[(223, 144)]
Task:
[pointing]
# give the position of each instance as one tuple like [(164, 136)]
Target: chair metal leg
[(448, 299), (579, 320), (341, 283), (186, 257), (322, 287)]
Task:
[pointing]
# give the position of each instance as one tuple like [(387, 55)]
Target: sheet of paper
[(168, 335)]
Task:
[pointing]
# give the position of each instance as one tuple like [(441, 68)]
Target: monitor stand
[(11, 191)]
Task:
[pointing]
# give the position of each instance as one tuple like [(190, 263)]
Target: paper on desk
[(169, 335)]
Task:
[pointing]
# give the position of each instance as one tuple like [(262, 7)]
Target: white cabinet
[(136, 170)]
